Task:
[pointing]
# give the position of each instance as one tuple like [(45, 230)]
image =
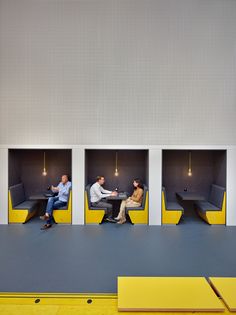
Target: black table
[(116, 201), (42, 199), (38, 197), (120, 196), (188, 195)]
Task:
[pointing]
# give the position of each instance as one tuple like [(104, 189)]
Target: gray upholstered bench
[(213, 209), (139, 215), (93, 215), (172, 211), (20, 209)]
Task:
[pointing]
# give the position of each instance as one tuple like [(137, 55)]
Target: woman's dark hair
[(140, 184)]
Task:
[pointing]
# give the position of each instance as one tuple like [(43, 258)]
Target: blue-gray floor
[(89, 258)]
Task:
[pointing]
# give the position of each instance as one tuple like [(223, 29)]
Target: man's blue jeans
[(53, 203)]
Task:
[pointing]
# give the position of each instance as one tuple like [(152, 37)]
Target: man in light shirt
[(98, 195), (63, 190)]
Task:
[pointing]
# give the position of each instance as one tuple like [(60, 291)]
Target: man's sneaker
[(46, 226), (110, 220), (44, 217)]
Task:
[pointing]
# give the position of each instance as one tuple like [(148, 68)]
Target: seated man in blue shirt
[(63, 190)]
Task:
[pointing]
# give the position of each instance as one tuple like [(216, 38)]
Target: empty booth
[(194, 186)]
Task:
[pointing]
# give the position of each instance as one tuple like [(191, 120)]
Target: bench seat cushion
[(97, 208), (204, 206), (28, 204), (134, 208), (62, 208), (171, 205)]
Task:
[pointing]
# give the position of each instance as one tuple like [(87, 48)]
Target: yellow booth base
[(92, 216), (64, 215)]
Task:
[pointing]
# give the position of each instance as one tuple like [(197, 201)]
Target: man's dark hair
[(68, 176), (99, 177)]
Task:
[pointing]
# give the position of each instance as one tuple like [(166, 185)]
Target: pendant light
[(116, 169), (190, 163), (44, 173)]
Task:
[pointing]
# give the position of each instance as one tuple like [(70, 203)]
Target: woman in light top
[(134, 201)]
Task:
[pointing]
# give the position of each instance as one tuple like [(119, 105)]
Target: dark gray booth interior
[(208, 167), (131, 164), (26, 166)]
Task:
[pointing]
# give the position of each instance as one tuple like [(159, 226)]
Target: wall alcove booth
[(30, 173), (193, 186), (120, 168)]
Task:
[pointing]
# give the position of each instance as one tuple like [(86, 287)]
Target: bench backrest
[(145, 189), (216, 195), (88, 194), (17, 194), (68, 201), (164, 191)]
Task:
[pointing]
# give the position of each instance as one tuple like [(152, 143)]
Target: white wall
[(4, 186), (117, 71), (78, 173), (155, 186), (231, 187)]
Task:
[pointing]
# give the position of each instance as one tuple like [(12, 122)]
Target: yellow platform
[(226, 288), (167, 294), (68, 304)]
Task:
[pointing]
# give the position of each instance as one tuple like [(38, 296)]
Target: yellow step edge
[(98, 306)]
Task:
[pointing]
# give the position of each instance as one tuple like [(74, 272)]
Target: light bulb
[(44, 173), (190, 164), (116, 172)]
